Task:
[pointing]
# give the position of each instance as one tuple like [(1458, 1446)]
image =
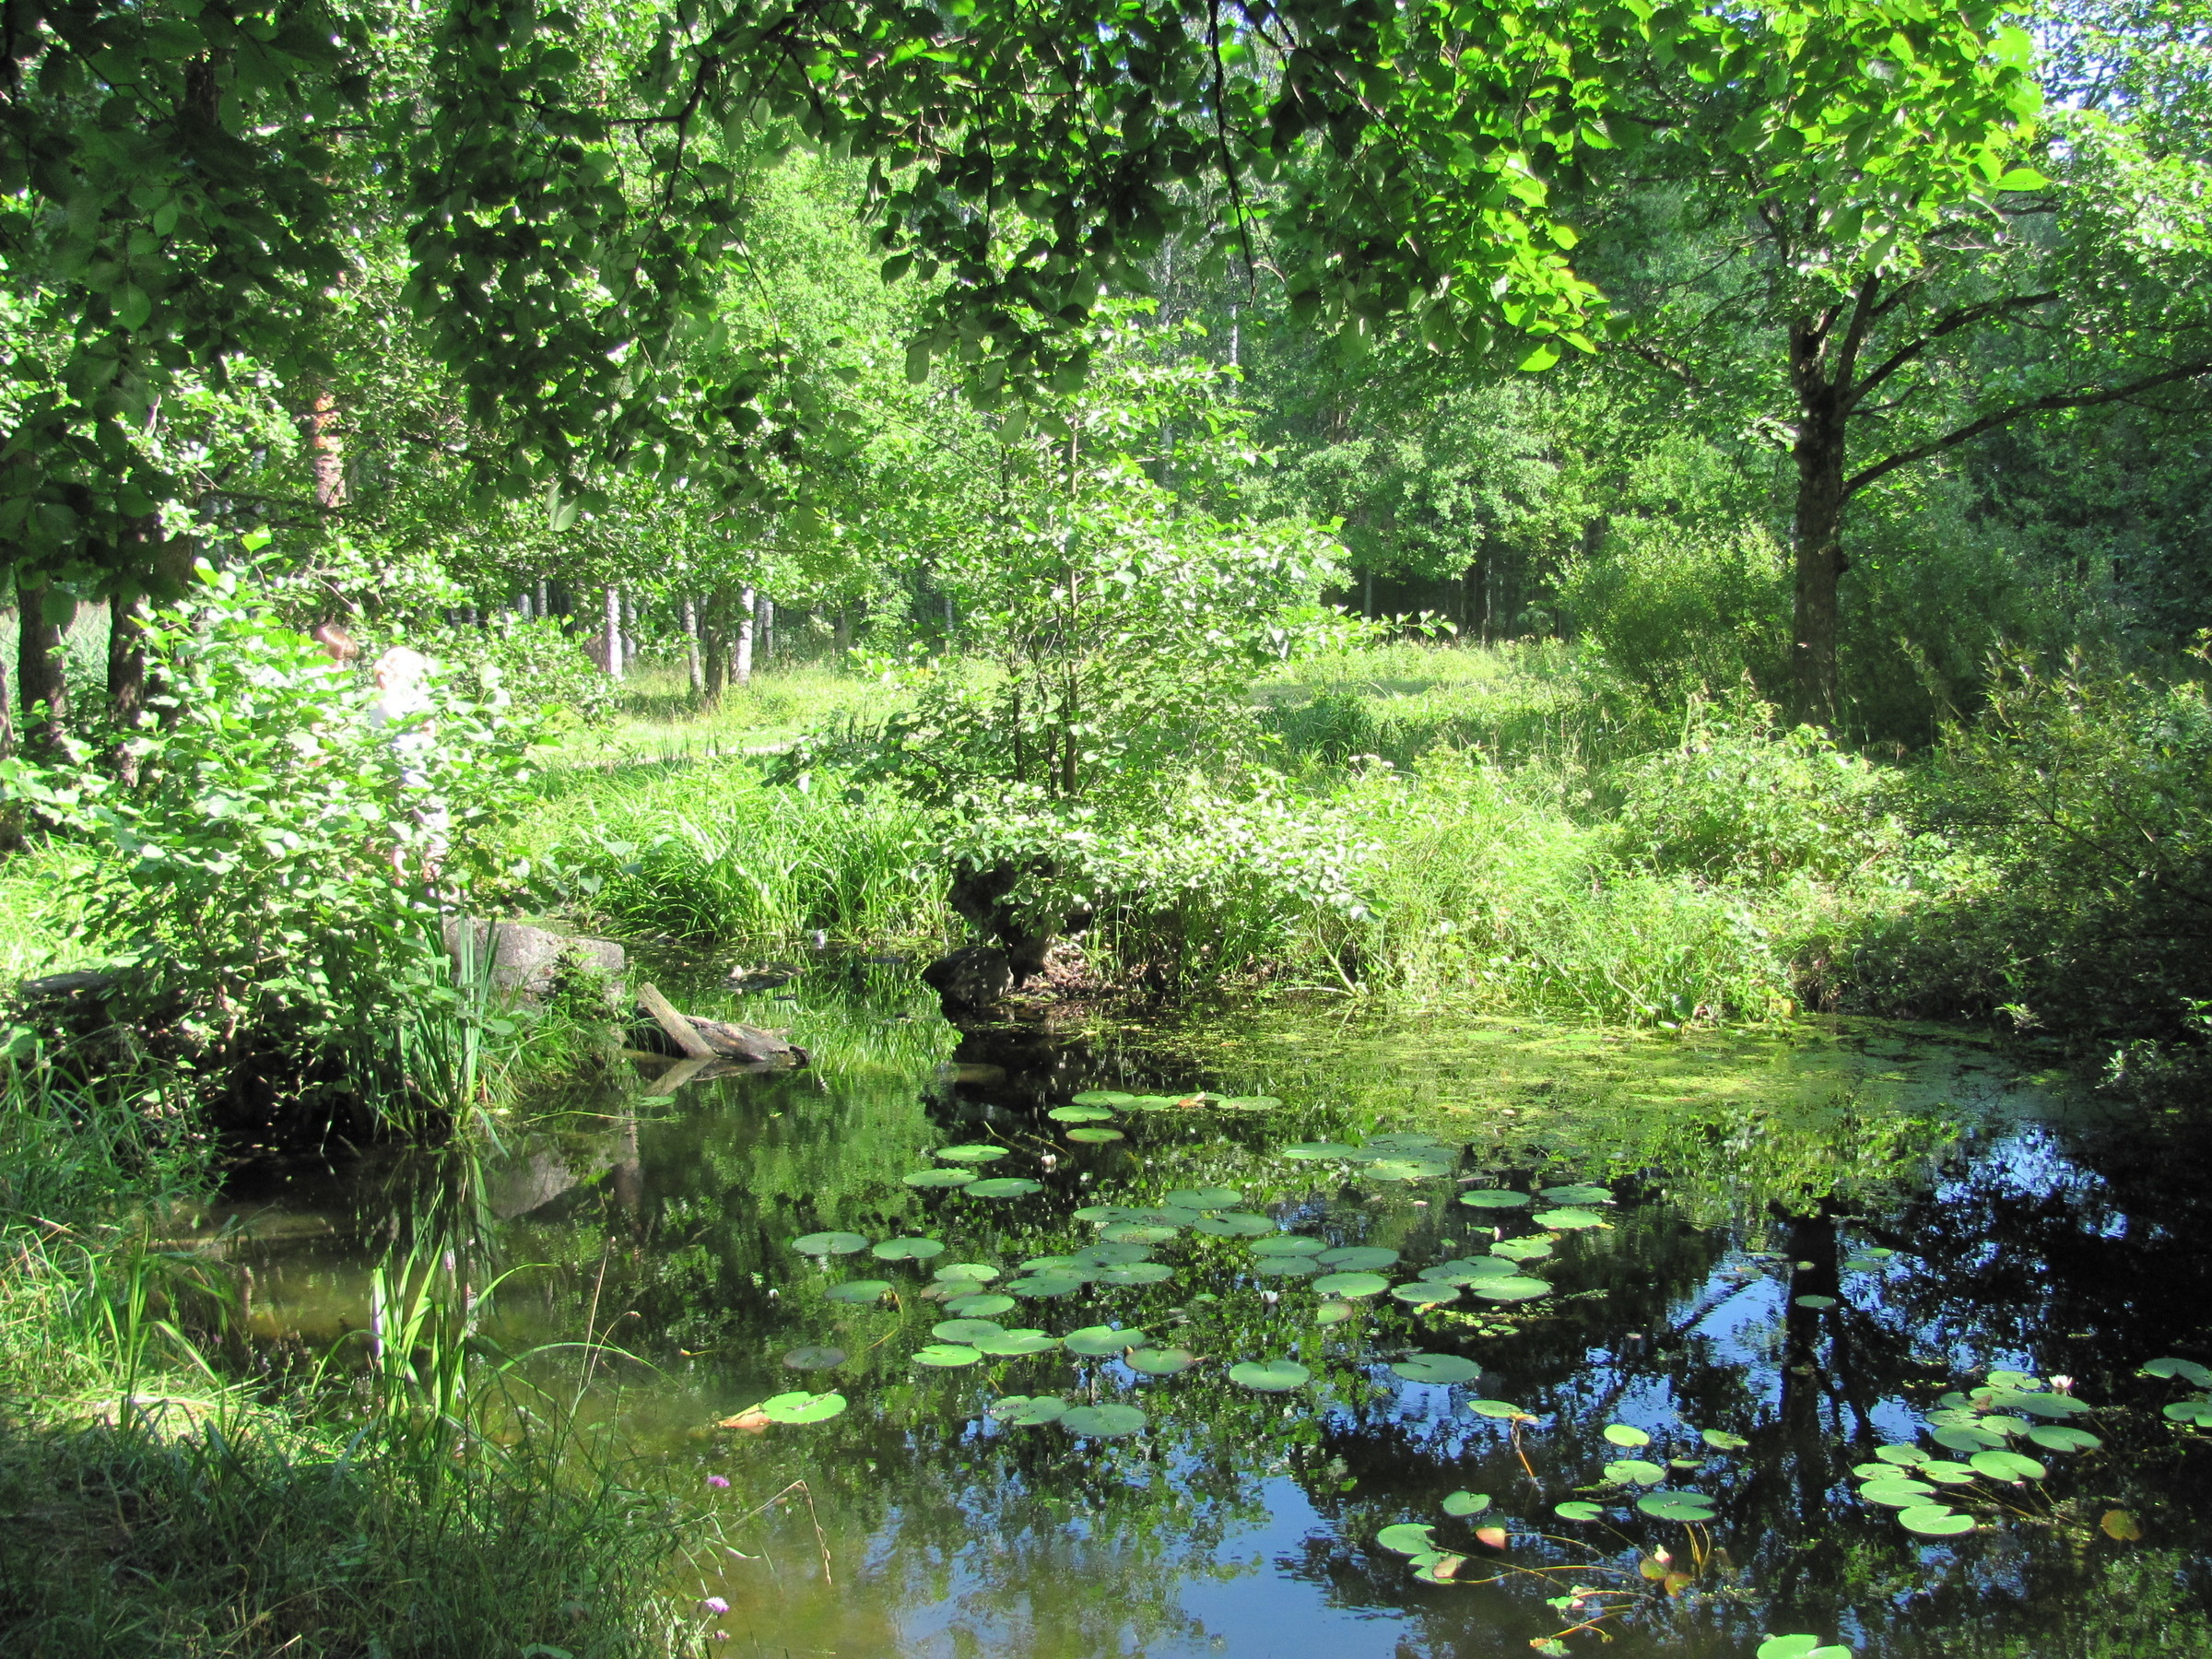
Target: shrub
[(254, 879), (1744, 800), (2080, 898)]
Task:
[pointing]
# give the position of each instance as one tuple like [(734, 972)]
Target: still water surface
[(1804, 1242)]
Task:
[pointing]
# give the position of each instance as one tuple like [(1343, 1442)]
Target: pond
[(1301, 1334)]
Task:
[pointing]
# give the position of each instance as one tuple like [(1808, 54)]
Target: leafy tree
[(1857, 263)]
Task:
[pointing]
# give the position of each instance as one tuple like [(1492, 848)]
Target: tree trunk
[(714, 637), (699, 683), (153, 562), (40, 681), (326, 464), (743, 670), (767, 642), (614, 633), (1819, 537), (841, 639)]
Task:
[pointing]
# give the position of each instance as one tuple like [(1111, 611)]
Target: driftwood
[(699, 1038)]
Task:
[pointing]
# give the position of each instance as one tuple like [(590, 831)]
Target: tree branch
[(2057, 400), (1964, 317)]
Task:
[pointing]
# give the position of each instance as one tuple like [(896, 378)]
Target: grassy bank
[(1449, 826), (400, 1503)]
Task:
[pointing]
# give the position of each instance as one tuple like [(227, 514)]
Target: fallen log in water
[(701, 1039)]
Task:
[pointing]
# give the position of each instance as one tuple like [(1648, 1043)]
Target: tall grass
[(712, 854), (410, 1507)]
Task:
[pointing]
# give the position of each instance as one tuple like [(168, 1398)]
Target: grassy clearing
[(659, 723)]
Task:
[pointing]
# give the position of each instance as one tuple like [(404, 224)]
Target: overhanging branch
[(2040, 406)]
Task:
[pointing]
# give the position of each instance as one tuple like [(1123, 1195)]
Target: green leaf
[(1543, 357)]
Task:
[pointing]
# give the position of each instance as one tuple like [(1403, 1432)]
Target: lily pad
[(1106, 1422), (1205, 1198), (909, 1250), (1024, 1411), (802, 1407), (1103, 1212), (976, 1153), (1570, 1220), (978, 1272), (1315, 1151), (1407, 1537), (2007, 1465), (1289, 1244), (987, 1306), (1581, 1193), (1897, 1494), (2185, 1371), (1270, 1376), (2197, 1414), (1465, 1271), (1332, 1313), (1101, 1097), (1353, 1285), (1099, 1341), (1579, 1510), (1634, 1471), (815, 1359), (1081, 1114), (1358, 1258), (947, 1354), (1510, 1289), (1109, 1254), (1907, 1454), (1819, 1303), (1800, 1647), (1135, 1272), (2064, 1439), (1959, 1437), (1719, 1439), (1246, 1102), (1521, 1250), (1286, 1266), (1046, 1285), (1237, 1224), (1494, 1198), (1137, 1232), (1944, 1472), (1435, 1368), (1626, 1434), (859, 1291), (938, 1178), (1091, 1135), (1160, 1362), (1687, 1506), (1016, 1344), (1935, 1521), (1497, 1408), (829, 1243), (1425, 1293), (966, 1330), (1406, 1169), (1004, 1186), (1466, 1503)]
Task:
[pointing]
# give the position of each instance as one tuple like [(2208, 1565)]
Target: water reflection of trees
[(678, 1217)]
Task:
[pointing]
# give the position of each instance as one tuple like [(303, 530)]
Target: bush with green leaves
[(534, 664), (1200, 885), (1743, 799), (2079, 897), (267, 872)]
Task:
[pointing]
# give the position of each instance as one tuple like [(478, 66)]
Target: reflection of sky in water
[(991, 1543)]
